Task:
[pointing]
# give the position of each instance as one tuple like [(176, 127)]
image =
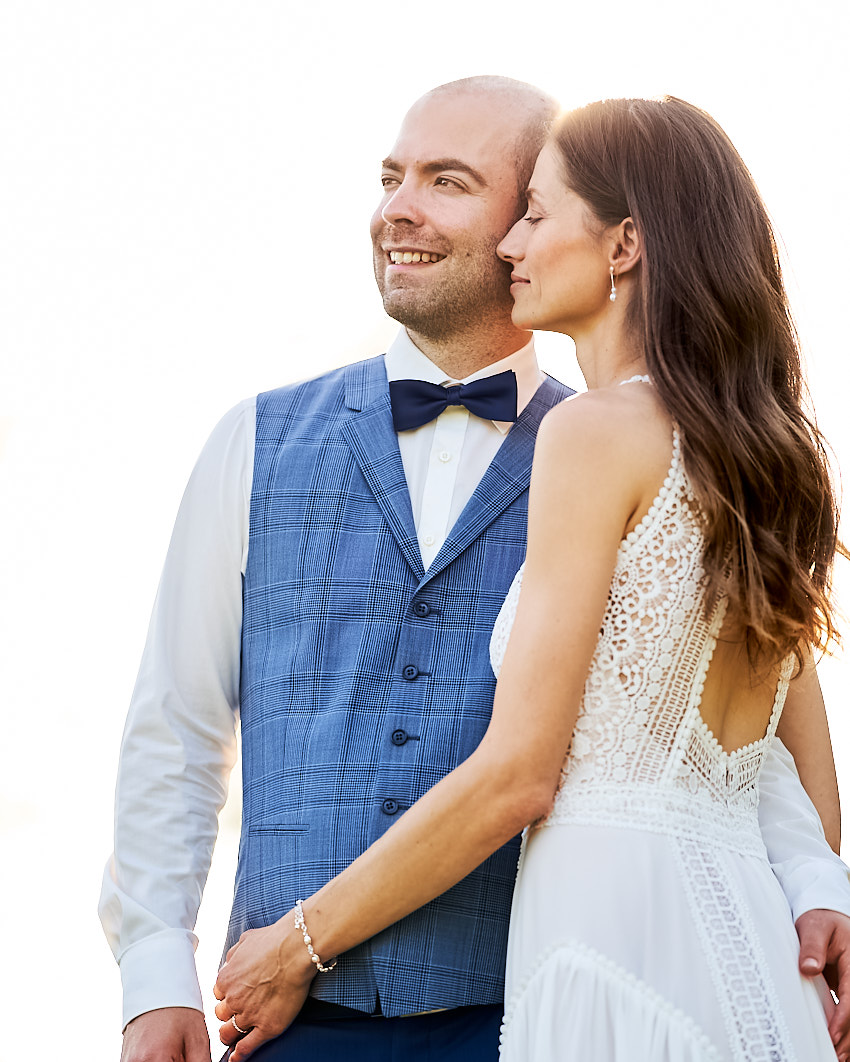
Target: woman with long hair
[(682, 529)]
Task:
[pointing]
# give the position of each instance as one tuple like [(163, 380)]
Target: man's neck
[(463, 354)]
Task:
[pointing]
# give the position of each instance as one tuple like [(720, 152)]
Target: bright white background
[(184, 195)]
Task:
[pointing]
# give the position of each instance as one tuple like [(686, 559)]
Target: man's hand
[(825, 948), (172, 1034), (262, 986)]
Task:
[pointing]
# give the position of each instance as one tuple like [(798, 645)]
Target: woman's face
[(560, 279)]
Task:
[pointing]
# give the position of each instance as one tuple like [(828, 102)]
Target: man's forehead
[(468, 129)]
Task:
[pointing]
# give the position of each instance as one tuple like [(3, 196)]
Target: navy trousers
[(466, 1034)]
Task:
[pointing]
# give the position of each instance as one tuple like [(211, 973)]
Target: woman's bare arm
[(804, 731)]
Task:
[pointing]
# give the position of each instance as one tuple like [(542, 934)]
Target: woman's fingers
[(248, 1044), (228, 1033), (223, 1010)]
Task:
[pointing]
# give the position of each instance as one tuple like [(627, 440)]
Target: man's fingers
[(171, 1032), (815, 934), (812, 962), (839, 1022), (831, 976), (839, 1026), (814, 948)]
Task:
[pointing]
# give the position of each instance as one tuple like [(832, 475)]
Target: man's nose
[(403, 205)]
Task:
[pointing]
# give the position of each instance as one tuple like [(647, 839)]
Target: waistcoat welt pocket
[(296, 827), (268, 878)]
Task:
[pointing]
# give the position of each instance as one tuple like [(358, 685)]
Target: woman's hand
[(262, 986)]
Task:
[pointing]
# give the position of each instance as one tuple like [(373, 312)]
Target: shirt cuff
[(828, 889), (158, 972)]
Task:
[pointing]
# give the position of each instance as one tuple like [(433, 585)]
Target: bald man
[(336, 569)]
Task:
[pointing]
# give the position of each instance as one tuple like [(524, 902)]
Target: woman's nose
[(510, 249)]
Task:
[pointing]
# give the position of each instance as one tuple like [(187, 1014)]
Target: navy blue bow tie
[(416, 402)]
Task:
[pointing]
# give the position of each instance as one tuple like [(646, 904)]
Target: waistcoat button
[(399, 737), (410, 672), (389, 807), (422, 609)]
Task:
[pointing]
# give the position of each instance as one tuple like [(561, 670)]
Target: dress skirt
[(628, 945)]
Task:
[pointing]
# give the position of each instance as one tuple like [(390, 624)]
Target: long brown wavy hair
[(722, 350)]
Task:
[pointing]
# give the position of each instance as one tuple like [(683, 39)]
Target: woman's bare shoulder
[(623, 424)]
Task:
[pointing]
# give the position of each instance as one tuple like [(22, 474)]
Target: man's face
[(450, 195)]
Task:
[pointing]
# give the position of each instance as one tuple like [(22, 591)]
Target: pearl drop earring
[(613, 295)]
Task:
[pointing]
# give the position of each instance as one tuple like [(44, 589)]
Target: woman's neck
[(608, 360)]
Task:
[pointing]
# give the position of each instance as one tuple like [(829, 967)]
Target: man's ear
[(625, 247)]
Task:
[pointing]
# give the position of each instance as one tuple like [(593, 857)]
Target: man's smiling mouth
[(408, 257)]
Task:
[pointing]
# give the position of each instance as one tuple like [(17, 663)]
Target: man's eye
[(447, 182), (388, 182)]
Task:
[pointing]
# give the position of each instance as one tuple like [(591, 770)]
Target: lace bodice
[(639, 743)]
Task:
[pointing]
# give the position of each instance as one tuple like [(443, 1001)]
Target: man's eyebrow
[(441, 164)]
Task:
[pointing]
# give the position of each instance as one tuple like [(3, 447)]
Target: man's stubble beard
[(456, 305)]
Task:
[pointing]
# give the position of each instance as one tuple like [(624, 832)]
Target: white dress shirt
[(445, 459), (179, 743)]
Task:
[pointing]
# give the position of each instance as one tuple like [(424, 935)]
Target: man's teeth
[(406, 257)]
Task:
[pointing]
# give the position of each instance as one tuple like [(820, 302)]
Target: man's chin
[(407, 308)]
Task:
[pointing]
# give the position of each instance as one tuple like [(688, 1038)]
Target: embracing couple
[(357, 556)]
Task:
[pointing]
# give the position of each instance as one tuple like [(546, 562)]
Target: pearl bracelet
[(308, 940)]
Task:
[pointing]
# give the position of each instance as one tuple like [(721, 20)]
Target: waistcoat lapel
[(505, 479), (373, 441)]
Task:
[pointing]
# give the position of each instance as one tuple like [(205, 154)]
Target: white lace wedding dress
[(647, 925)]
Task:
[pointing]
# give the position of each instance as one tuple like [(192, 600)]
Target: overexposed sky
[(185, 190)]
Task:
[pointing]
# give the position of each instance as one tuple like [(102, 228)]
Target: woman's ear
[(625, 246)]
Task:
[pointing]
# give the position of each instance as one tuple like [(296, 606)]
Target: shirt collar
[(405, 361)]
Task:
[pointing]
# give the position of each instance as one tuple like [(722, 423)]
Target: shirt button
[(422, 609), (428, 540), (389, 807), (399, 737), (410, 672), (445, 456)]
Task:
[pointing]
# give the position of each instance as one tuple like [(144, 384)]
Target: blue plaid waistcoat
[(366, 679)]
